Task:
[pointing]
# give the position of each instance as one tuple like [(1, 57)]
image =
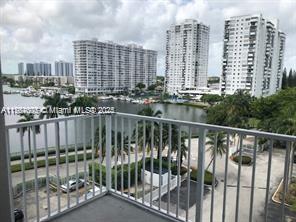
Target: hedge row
[(125, 171), (113, 173), (51, 161), (165, 165), (50, 152)]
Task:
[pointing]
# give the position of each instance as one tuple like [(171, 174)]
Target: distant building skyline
[(63, 68), (106, 67), (252, 56), (37, 69), (21, 68), (187, 51)]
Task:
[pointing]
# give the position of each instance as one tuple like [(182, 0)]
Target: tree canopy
[(276, 113)]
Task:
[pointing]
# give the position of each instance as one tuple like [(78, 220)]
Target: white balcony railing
[(115, 151)]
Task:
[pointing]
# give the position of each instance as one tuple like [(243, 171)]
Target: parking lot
[(53, 198)]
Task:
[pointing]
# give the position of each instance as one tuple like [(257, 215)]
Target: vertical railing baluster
[(268, 179), (58, 164), (24, 199), (9, 184), (285, 180), (169, 169), (151, 162), (200, 175), (76, 160), (160, 165), (101, 153), (225, 178), (122, 144), (47, 170), (84, 158), (67, 162), (36, 174), (144, 161), (129, 158), (238, 178), (213, 177), (136, 161), (93, 154), (178, 171), (292, 160), (253, 179), (188, 172), (108, 152), (115, 152)]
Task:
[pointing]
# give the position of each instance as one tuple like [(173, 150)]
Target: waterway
[(170, 111)]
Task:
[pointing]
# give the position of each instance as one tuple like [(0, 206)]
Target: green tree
[(175, 144), (27, 118), (71, 89), (284, 79), (84, 101), (141, 86), (276, 113), (290, 78), (148, 111), (114, 150), (151, 87), (234, 110), (55, 101), (221, 147), (211, 99)]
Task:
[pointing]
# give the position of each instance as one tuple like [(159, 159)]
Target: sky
[(43, 30)]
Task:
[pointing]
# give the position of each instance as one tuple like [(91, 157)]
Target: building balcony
[(125, 167)]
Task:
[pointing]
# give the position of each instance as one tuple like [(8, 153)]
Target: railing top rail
[(164, 120), (213, 127), (44, 121)]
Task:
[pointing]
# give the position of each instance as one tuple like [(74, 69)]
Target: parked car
[(18, 215), (72, 185), (90, 191)]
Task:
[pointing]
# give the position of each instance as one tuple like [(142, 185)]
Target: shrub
[(165, 165), (208, 179), (118, 176), (51, 161), (246, 160)]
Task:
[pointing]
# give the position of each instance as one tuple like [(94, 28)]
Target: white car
[(72, 185)]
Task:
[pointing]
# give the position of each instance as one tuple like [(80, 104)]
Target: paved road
[(277, 170)]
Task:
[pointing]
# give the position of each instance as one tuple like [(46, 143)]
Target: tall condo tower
[(107, 67), (187, 49), (253, 55)]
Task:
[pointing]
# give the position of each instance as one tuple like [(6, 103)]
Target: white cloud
[(43, 30)]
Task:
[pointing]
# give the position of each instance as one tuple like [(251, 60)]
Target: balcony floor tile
[(111, 209)]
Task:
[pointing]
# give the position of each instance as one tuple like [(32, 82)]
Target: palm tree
[(286, 124), (148, 111), (183, 148), (52, 102), (221, 145), (103, 143), (26, 118)]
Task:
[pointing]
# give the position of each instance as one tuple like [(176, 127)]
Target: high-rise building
[(30, 69), (21, 68), (38, 69), (252, 55), (63, 68), (107, 67), (187, 49)]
